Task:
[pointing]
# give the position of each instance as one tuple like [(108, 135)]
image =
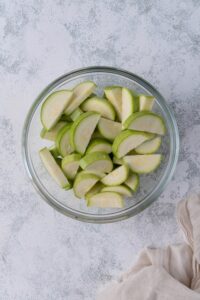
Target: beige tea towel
[(172, 273)]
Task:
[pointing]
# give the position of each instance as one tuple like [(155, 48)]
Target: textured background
[(43, 254)]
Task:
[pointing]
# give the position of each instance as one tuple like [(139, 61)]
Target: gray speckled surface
[(43, 254)]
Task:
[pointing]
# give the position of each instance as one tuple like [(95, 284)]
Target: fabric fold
[(172, 273)]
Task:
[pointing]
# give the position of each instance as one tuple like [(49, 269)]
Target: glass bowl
[(151, 185)]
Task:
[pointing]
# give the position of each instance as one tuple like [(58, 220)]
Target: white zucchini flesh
[(132, 182), (128, 140), (94, 190), (143, 164), (109, 129), (146, 121), (149, 147), (51, 134), (53, 107), (99, 145), (129, 104), (70, 165), (76, 113), (106, 200), (82, 130), (116, 177), (95, 172), (83, 183), (97, 161), (146, 102), (103, 166), (114, 95), (120, 189), (117, 161), (81, 92), (53, 168), (99, 105)]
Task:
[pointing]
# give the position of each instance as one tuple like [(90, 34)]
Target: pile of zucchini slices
[(100, 144)]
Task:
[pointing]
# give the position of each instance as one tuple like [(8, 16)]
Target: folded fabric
[(172, 273)]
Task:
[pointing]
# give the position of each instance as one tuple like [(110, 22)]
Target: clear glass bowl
[(151, 185)]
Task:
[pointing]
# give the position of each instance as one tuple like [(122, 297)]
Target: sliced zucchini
[(81, 92), (128, 140), (63, 141), (132, 182), (76, 113), (53, 168), (70, 165), (143, 164), (83, 183), (82, 130), (149, 147), (53, 107), (94, 190), (109, 129), (97, 161), (51, 134), (99, 145), (106, 200), (146, 102), (117, 176), (99, 105), (120, 189), (114, 95), (118, 161), (96, 135), (146, 121), (129, 104), (95, 172)]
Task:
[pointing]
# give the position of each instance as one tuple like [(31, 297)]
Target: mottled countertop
[(43, 254)]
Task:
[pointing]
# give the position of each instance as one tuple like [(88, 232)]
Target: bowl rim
[(147, 200)]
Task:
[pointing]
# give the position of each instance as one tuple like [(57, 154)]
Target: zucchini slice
[(53, 107)]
